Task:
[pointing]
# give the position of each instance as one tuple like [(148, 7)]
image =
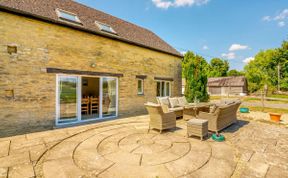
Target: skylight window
[(105, 27), (68, 16)]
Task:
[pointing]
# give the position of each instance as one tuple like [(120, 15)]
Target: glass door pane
[(167, 88), (67, 96), (158, 89), (90, 105), (163, 89), (109, 97)]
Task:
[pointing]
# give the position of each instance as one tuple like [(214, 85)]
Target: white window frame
[(59, 11), (102, 29), (142, 86), (165, 88), (79, 96)]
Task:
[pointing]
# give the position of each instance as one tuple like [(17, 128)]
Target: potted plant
[(275, 117)]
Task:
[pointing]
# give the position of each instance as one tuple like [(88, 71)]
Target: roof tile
[(126, 31)]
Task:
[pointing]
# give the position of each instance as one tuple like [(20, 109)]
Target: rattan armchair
[(159, 119), (164, 102)]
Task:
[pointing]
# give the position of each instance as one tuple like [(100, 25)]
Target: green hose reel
[(218, 138)]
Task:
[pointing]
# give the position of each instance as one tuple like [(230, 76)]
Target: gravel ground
[(261, 116), (259, 104), (268, 105)]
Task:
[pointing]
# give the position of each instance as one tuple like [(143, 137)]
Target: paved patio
[(123, 148)]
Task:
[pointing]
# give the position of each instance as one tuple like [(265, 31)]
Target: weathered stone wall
[(41, 45)]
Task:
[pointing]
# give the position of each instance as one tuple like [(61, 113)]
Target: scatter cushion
[(174, 102), (164, 101), (182, 101)]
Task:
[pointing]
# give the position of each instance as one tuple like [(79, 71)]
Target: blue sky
[(230, 29)]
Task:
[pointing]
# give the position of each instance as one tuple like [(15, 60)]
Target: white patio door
[(69, 97), (109, 97)]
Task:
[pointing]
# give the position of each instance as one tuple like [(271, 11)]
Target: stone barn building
[(227, 85), (65, 63)]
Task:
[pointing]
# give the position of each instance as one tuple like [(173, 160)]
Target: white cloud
[(248, 59), (267, 18), (162, 4), (281, 24), (205, 47), (165, 4), (280, 18), (181, 3), (183, 52), (230, 55), (236, 47), (283, 15)]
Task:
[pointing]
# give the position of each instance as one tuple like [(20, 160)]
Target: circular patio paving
[(128, 150)]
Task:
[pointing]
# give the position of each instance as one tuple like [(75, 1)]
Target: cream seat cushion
[(176, 109), (163, 101), (182, 101)]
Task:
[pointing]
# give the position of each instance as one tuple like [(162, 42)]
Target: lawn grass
[(222, 97), (252, 99), (215, 97), (249, 99), (278, 96), (266, 109)]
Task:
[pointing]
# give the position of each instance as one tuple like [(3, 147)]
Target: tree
[(218, 68), (269, 67), (235, 72), (281, 60), (195, 73), (260, 72)]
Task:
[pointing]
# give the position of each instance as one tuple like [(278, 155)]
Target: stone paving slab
[(124, 171), (4, 145), (61, 168), (125, 148), (90, 160), (22, 171), (194, 160), (3, 172), (14, 159), (215, 168), (275, 171), (255, 169)]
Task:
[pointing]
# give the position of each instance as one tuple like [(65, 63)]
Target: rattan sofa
[(180, 106), (159, 119), (222, 117), (167, 106)]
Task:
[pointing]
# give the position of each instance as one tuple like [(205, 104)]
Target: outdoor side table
[(197, 127), (192, 111), (189, 112)]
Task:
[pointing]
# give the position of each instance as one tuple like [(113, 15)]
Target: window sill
[(140, 94)]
